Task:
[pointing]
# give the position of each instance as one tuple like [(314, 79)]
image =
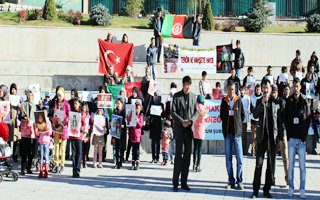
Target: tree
[(207, 20), (134, 7), (100, 15), (313, 23), (49, 10), (257, 17)]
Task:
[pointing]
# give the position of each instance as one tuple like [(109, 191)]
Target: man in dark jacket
[(232, 116), (151, 57), (238, 58), (157, 26), (268, 110), (296, 116), (314, 61), (196, 31), (184, 113), (235, 80)]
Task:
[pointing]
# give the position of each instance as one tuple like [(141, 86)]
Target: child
[(98, 143), (76, 143), (199, 133), (44, 138), (135, 136), (86, 128), (166, 137), (204, 86), (118, 143)]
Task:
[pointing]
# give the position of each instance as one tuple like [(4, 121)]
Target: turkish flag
[(177, 26), (117, 55)]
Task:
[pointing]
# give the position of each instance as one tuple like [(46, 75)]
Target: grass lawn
[(8, 18)]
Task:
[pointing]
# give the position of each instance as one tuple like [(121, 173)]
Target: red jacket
[(135, 132)]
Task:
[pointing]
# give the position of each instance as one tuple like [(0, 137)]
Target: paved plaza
[(153, 181)]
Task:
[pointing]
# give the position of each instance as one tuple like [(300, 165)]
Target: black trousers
[(261, 149), (155, 147), (68, 149), (85, 151), (135, 151), (159, 46), (118, 149), (76, 156), (182, 160), (129, 145), (27, 151)]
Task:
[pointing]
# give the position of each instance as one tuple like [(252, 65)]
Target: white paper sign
[(99, 123), (131, 119), (299, 75), (74, 124), (156, 110), (283, 77), (5, 111), (87, 96), (35, 89), (14, 100), (57, 119), (193, 61)]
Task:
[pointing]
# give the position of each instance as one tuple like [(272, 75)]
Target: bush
[(2, 1), (134, 7), (257, 17), (217, 27), (75, 17), (35, 14), (23, 15), (49, 10), (100, 15), (207, 21), (63, 15), (231, 27), (313, 23)]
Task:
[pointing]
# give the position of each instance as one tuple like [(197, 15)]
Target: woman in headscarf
[(4, 96), (14, 135)]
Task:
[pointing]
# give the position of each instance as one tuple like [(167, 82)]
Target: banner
[(87, 96), (14, 100), (129, 86), (74, 124), (224, 58), (115, 54), (41, 122), (179, 60), (177, 26), (104, 100), (116, 123), (213, 121)]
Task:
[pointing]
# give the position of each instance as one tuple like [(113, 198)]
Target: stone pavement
[(153, 181)]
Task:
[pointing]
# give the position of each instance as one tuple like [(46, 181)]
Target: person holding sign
[(119, 143), (100, 130), (232, 116), (204, 86), (296, 116), (270, 128), (28, 142), (60, 130), (135, 135), (14, 135), (184, 113), (85, 130), (44, 138), (156, 115), (269, 76)]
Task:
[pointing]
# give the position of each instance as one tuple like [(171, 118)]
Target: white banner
[(193, 61)]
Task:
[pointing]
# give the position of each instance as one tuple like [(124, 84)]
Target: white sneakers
[(302, 193), (290, 192)]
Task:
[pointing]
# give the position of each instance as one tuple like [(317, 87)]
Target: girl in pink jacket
[(44, 137), (199, 133), (135, 137)]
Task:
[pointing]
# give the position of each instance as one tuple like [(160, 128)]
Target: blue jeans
[(195, 42), (44, 153), (238, 73), (232, 142), (296, 145), (171, 149), (153, 71)]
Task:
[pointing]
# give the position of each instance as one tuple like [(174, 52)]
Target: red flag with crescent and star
[(117, 55)]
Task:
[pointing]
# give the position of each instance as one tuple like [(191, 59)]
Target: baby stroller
[(6, 163)]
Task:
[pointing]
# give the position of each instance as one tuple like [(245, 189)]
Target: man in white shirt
[(204, 86), (245, 99)]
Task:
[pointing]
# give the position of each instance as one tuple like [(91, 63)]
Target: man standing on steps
[(268, 110), (184, 113), (157, 26), (232, 116)]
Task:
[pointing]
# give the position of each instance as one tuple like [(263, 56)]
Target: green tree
[(100, 15), (49, 10), (134, 7), (257, 17), (207, 20), (313, 23)]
